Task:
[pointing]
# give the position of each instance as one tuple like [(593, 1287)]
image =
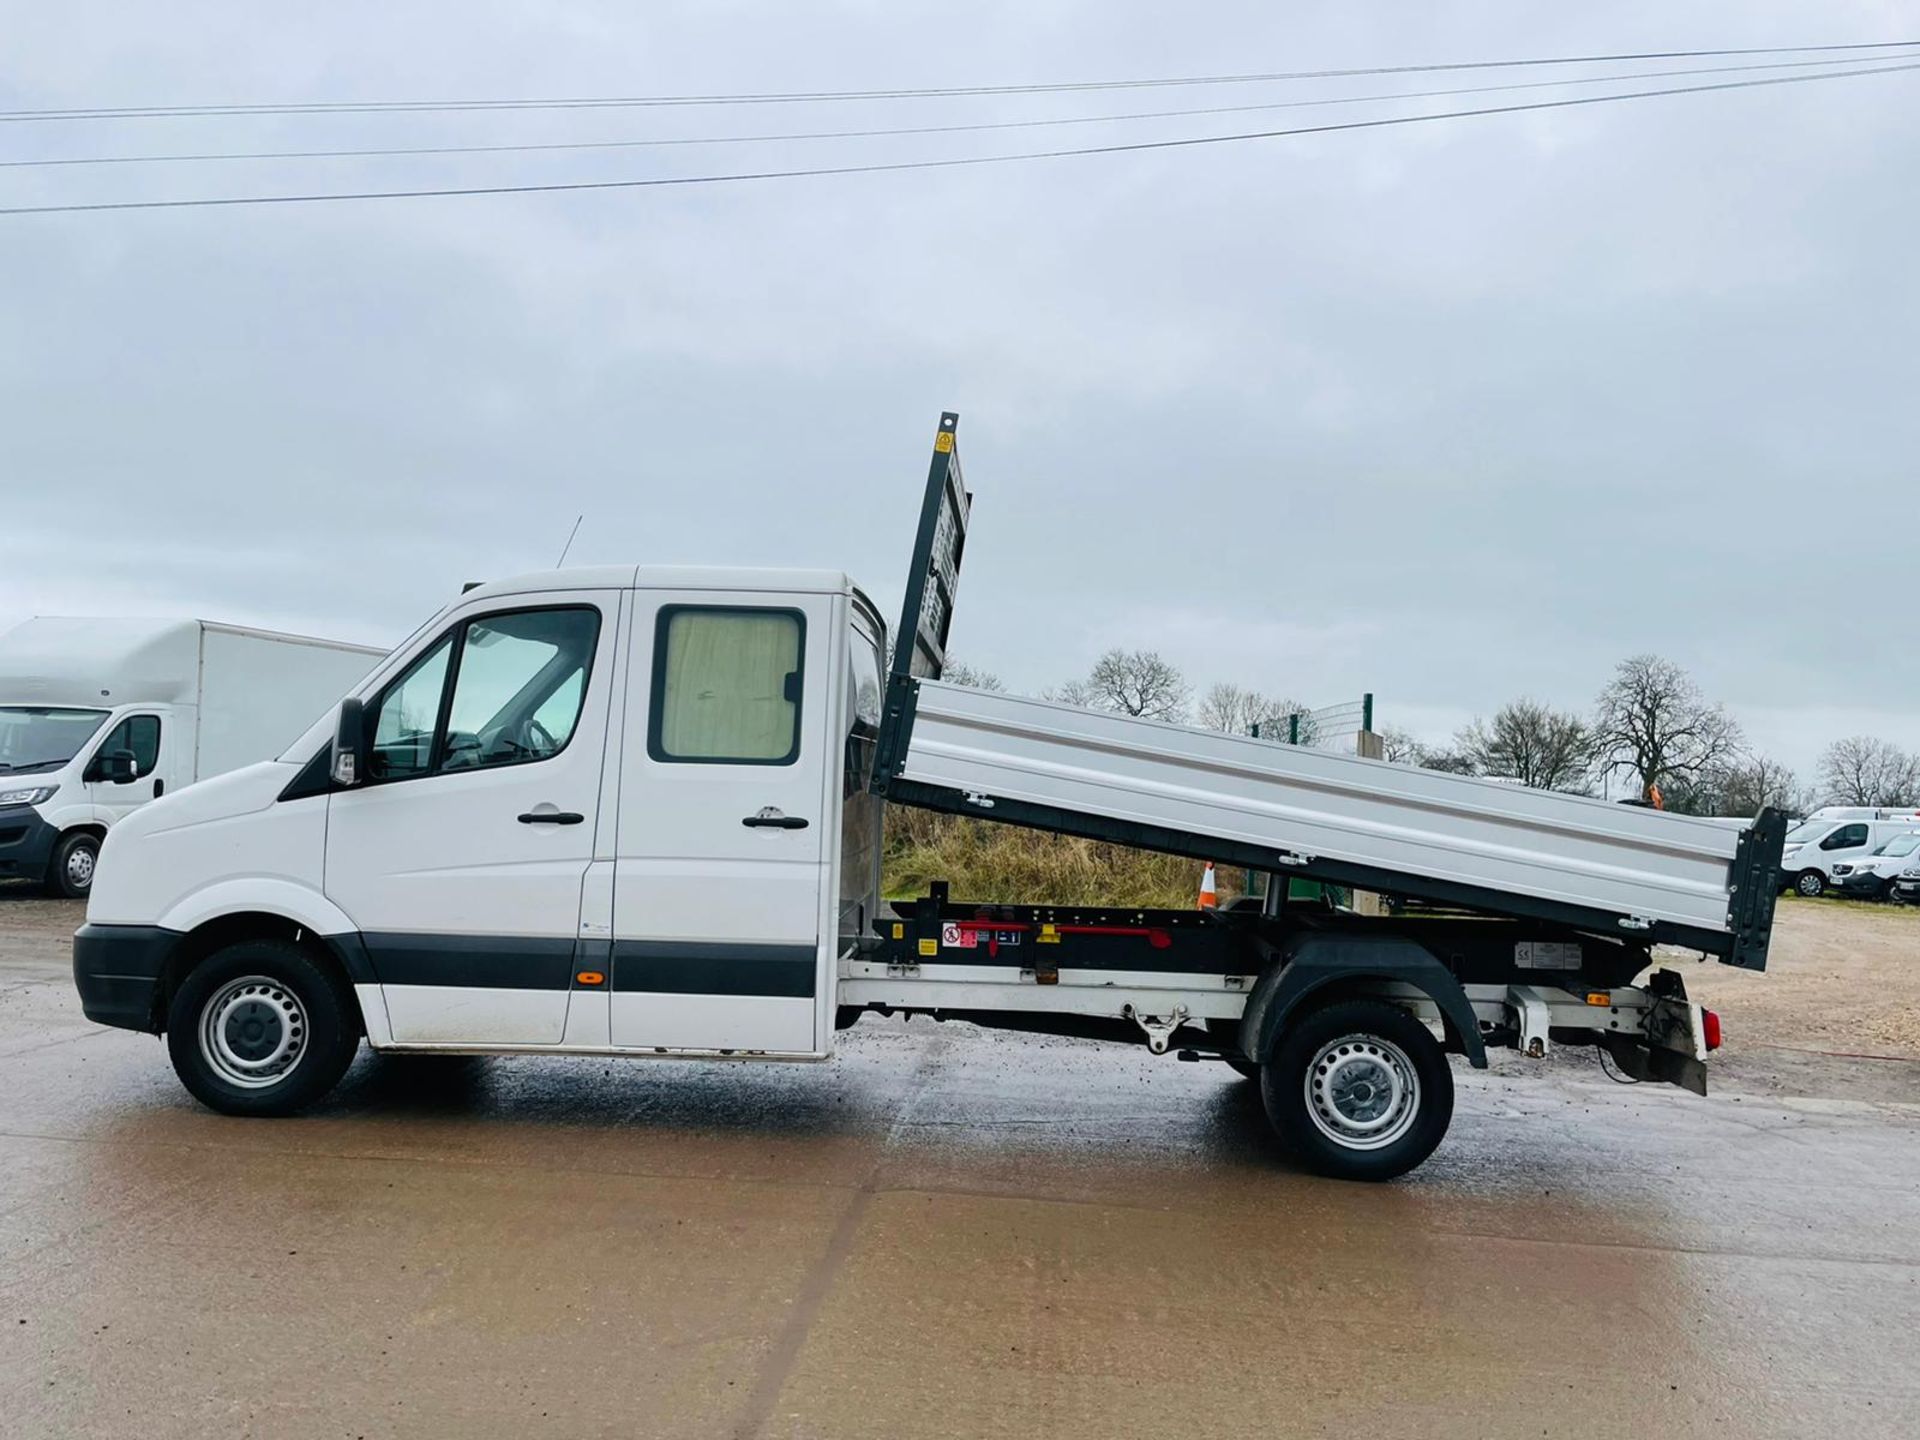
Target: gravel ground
[(1836, 1013)]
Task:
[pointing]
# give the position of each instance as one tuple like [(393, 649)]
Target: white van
[(1873, 877), (99, 717), (1827, 838)]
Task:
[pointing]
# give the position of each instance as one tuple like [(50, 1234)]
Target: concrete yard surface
[(948, 1232)]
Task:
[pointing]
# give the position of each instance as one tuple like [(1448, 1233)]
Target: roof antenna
[(569, 545)]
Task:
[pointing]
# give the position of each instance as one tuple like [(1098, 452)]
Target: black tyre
[(261, 1028), (1810, 883), (1359, 1090), (70, 871)]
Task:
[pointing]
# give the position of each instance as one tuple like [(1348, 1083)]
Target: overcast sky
[(1451, 412)]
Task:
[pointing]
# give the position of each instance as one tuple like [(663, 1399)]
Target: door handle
[(551, 817), (770, 818)]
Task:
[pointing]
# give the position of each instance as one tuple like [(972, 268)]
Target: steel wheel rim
[(253, 1032), (1362, 1092), (1809, 886), (80, 863)]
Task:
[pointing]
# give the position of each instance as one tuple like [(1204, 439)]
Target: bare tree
[(1137, 682), (1440, 757), (958, 672), (1653, 722), (1533, 743), (1866, 770), (1073, 692), (1399, 746), (1236, 710), (1750, 782)]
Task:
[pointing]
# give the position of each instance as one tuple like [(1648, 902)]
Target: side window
[(405, 717), (726, 685), (141, 735), (864, 676), (517, 685), (1845, 838)]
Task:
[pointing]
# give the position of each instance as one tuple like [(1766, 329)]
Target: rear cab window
[(727, 683)]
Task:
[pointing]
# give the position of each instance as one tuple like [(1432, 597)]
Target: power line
[(895, 131), (337, 107), (890, 166)]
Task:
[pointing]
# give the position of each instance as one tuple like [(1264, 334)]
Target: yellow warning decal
[(899, 931), (929, 947), (943, 442)]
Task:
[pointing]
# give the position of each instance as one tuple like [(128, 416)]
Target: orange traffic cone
[(1209, 889)]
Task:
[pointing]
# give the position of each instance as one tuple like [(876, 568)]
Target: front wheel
[(70, 872), (1359, 1090), (261, 1028), (1810, 883)]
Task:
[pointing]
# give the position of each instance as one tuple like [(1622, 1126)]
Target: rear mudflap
[(1673, 1044)]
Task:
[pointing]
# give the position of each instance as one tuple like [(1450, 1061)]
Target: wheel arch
[(96, 829), (1318, 970), (341, 954)]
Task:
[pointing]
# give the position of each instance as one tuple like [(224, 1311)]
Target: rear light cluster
[(1710, 1029)]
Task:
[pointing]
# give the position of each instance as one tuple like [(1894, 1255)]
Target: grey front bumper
[(117, 970), (26, 843)]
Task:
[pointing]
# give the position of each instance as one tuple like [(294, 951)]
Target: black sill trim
[(682, 967), (530, 962), (485, 962)]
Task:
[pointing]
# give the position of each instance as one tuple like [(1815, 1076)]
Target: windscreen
[(41, 737)]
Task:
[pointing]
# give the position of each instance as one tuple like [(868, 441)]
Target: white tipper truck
[(637, 812), (99, 717)]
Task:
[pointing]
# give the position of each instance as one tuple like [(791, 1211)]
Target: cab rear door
[(721, 901)]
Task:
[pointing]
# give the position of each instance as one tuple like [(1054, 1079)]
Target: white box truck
[(101, 716), (637, 812)]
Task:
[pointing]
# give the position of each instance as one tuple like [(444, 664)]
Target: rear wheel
[(1810, 883), (1359, 1090), (70, 872), (261, 1028)]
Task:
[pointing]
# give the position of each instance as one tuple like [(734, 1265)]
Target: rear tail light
[(1710, 1029)]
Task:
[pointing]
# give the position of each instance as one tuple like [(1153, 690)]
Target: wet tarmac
[(944, 1232)]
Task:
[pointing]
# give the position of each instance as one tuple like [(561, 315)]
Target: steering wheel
[(539, 740)]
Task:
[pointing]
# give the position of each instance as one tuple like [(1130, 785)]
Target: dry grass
[(1004, 864)]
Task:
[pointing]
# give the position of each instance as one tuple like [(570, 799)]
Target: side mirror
[(119, 767), (348, 764)]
